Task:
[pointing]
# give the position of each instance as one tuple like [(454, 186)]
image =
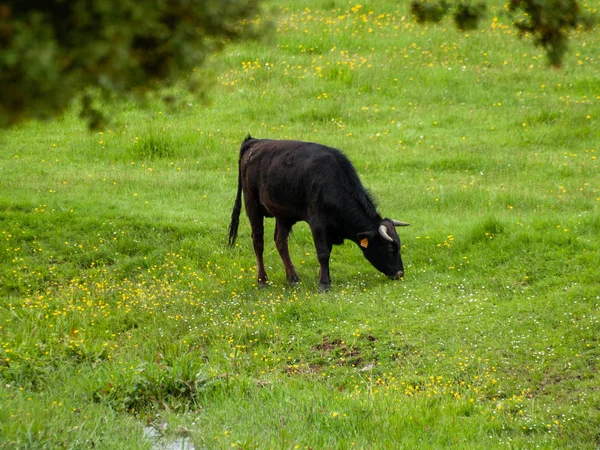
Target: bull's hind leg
[(282, 232), (258, 240)]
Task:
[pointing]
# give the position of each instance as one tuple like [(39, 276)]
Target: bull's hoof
[(295, 280), (324, 287)]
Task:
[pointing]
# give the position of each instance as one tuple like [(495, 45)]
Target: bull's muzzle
[(397, 275)]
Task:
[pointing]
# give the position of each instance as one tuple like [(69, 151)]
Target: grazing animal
[(294, 181)]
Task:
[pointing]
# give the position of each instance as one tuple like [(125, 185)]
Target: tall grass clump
[(154, 146)]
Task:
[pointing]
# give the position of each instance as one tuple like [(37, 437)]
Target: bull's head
[(381, 246)]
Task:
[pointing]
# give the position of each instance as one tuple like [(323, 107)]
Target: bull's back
[(290, 178)]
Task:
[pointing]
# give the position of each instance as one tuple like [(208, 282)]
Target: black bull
[(294, 181)]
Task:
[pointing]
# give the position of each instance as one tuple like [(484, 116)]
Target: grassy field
[(122, 308)]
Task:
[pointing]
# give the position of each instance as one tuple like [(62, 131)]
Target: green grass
[(121, 306)]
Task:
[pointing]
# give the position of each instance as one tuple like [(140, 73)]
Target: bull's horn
[(397, 223), (384, 234)]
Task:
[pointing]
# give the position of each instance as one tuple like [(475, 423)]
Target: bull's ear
[(365, 238)]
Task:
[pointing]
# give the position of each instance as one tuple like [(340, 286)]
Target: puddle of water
[(160, 442)]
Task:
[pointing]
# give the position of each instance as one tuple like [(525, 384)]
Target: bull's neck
[(356, 225)]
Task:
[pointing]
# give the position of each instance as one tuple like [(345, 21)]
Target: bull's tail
[(235, 214), (237, 206)]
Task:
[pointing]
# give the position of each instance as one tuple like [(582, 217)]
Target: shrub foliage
[(52, 50), (548, 21)]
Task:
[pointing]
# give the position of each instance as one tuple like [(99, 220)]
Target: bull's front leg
[(323, 247)]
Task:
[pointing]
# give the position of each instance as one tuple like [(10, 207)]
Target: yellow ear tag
[(364, 243)]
